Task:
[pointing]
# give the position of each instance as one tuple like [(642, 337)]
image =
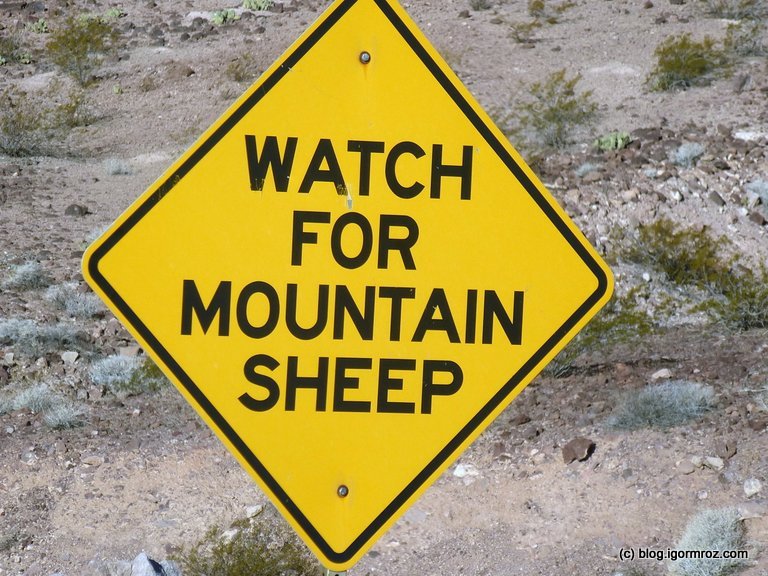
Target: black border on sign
[(270, 82)]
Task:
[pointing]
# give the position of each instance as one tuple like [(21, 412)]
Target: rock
[(520, 419), (178, 71), (726, 449), (749, 135), (752, 486), (663, 374), (5, 376), (253, 511), (69, 357), (92, 460), (530, 432), (758, 424), (464, 470), (714, 463), (716, 199), (686, 467), (464, 14), (415, 515), (76, 210), (757, 218), (697, 461), (129, 351), (143, 565), (228, 535), (578, 449)]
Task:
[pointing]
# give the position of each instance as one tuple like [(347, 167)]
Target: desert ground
[(139, 471)]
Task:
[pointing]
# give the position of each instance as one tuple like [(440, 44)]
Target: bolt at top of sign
[(349, 275)]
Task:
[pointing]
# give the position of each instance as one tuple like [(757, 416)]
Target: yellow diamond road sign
[(349, 275)]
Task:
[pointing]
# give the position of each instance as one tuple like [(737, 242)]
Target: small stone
[(520, 419), (726, 449), (143, 565), (714, 463), (702, 495), (69, 357), (758, 424), (697, 461), (578, 449), (29, 458), (415, 515), (129, 351), (716, 199), (686, 467), (752, 486), (465, 470), (228, 535), (178, 71), (76, 210), (663, 374), (253, 511), (630, 195), (92, 460), (464, 14), (757, 218), (8, 358)]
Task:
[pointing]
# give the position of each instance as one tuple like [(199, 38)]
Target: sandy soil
[(145, 474)]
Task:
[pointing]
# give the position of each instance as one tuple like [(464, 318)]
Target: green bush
[(58, 413), (737, 294), (259, 546), (79, 44), (737, 9), (662, 406), (221, 17), (619, 322), (745, 39), (740, 301), (686, 257), (28, 276), (21, 124), (612, 141), (242, 69), (523, 32), (478, 5), (555, 112), (29, 123), (682, 62), (31, 339), (258, 4), (711, 530), (73, 301), (545, 11), (38, 27), (126, 376)]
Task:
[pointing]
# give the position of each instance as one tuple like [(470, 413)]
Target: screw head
[(365, 57), (342, 491)]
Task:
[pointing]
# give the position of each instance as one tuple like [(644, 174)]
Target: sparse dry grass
[(662, 405)]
